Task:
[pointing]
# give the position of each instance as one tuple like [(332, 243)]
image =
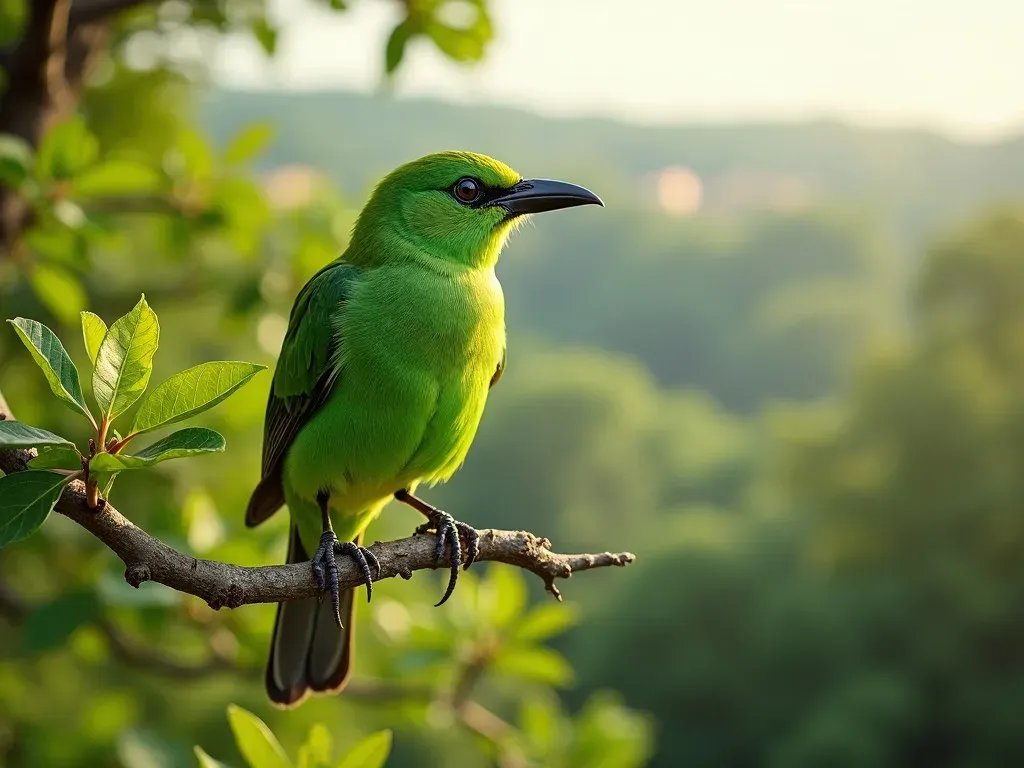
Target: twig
[(55, 83), (224, 584), (501, 734), (471, 673), (480, 720)]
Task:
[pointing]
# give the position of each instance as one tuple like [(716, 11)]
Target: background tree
[(798, 404), (109, 185)]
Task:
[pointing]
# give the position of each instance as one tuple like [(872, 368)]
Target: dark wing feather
[(500, 369), (306, 371)]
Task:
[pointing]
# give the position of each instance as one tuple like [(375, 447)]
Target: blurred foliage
[(815, 454), (261, 749), (141, 199), (876, 620)]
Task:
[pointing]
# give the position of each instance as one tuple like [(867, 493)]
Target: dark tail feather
[(265, 500), (308, 651)]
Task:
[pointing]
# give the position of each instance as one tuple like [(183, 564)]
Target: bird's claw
[(325, 567), (449, 531)]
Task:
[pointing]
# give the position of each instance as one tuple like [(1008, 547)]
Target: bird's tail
[(308, 651), (266, 499)]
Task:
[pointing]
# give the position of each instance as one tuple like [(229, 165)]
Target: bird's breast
[(439, 325), (418, 353)]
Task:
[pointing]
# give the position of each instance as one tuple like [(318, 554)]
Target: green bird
[(383, 375)]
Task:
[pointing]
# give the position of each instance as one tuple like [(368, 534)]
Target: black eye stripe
[(486, 194)]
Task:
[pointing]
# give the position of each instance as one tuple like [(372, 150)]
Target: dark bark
[(46, 70)]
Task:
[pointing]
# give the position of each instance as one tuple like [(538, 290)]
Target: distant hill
[(916, 181), (743, 303)]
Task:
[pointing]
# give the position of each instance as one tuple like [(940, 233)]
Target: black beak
[(540, 195)]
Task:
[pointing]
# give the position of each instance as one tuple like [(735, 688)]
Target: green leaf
[(116, 177), (316, 752), (69, 214), (397, 40), (503, 595), (26, 499), (66, 150), (15, 161), (541, 665), (59, 290), (265, 34), (124, 362), (16, 434), (546, 621), (462, 39), (13, 17), (190, 392), (249, 142), (371, 752), (190, 441), (48, 626), (108, 478), (49, 354), (93, 331), (56, 243), (196, 155), (243, 211), (255, 740), (143, 748), (57, 457), (205, 761), (542, 721)]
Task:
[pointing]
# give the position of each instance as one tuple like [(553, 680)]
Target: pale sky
[(952, 65)]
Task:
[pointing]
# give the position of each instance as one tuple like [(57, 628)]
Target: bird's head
[(458, 207)]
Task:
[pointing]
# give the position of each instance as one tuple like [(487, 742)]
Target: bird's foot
[(325, 567), (449, 531)]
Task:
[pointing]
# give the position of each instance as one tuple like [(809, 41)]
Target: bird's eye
[(466, 190)]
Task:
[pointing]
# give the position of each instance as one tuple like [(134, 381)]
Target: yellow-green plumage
[(410, 392), (382, 379)]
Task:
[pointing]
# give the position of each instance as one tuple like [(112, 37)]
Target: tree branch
[(45, 72), (224, 584), (81, 13)]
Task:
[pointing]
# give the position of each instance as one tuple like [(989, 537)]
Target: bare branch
[(45, 72), (56, 85), (224, 584)]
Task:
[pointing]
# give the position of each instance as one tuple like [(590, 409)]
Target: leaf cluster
[(261, 749), (122, 360)]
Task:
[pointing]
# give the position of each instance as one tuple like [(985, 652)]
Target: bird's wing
[(306, 370), (500, 369)]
